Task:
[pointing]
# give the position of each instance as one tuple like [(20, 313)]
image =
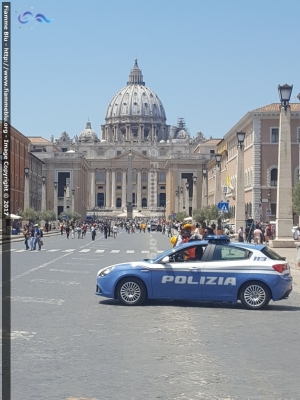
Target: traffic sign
[(223, 206)]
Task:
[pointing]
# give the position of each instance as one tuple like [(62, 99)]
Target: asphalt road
[(68, 344)]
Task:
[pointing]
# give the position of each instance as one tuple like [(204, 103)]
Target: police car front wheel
[(255, 295), (131, 292)]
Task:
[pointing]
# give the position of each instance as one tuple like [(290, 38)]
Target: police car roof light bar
[(218, 239)]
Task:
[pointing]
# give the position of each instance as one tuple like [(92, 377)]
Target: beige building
[(260, 161)]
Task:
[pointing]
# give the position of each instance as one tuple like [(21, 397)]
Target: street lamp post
[(218, 179), (65, 199), (26, 188), (284, 216), (181, 199), (177, 204), (194, 200), (55, 198), (43, 205), (129, 187), (204, 188), (187, 198), (73, 200), (240, 184)]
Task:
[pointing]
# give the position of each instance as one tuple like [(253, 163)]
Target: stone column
[(142, 132), (284, 216), (217, 184), (127, 132), (123, 189), (129, 188), (55, 201), (240, 219), (26, 192), (107, 189), (152, 188), (113, 188), (65, 199), (139, 189), (43, 205), (73, 201), (92, 192)]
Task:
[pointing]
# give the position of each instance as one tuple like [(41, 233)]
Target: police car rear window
[(271, 254)]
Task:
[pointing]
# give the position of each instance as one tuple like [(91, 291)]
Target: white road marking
[(115, 251), (88, 259), (99, 251), (130, 251), (20, 251), (20, 335), (84, 251), (55, 302), (37, 268), (68, 251), (7, 251), (58, 282), (71, 271), (160, 251), (52, 250), (145, 251)]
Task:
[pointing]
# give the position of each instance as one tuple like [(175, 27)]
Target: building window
[(274, 135), (119, 177), (144, 187), (144, 202), (101, 152), (162, 177), (144, 177), (274, 177), (119, 187), (64, 150), (298, 135), (144, 152), (100, 187), (163, 187), (212, 152), (100, 199), (101, 176), (119, 152)]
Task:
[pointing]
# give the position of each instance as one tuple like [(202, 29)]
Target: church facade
[(92, 170)]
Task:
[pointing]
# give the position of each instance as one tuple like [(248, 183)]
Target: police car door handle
[(144, 270), (194, 268)]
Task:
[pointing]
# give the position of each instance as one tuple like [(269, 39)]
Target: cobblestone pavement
[(69, 344)]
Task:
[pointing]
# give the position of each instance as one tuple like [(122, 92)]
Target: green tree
[(29, 214), (296, 198), (199, 215), (47, 216), (180, 216)]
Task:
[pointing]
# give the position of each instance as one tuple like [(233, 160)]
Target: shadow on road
[(191, 304)]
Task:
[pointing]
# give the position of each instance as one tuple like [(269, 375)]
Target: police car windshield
[(271, 254), (162, 255)]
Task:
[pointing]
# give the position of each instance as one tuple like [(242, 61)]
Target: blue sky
[(209, 62)]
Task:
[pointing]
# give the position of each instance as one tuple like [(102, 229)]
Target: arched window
[(101, 176), (119, 177), (144, 202), (162, 199), (274, 177), (162, 177), (119, 203)]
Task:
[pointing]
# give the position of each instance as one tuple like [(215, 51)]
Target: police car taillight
[(280, 267)]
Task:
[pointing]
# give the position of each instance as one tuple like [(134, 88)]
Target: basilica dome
[(88, 134), (136, 100)]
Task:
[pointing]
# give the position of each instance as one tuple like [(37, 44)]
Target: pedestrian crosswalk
[(96, 251)]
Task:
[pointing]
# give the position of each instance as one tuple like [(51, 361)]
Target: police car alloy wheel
[(255, 295), (131, 292)]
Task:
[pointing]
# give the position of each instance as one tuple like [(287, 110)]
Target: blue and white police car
[(214, 269)]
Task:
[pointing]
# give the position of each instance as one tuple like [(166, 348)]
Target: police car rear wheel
[(131, 292), (255, 295)]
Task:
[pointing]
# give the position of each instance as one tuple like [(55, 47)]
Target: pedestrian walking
[(32, 238), (241, 234), (67, 231), (79, 231), (26, 236), (93, 233), (105, 229), (115, 231), (257, 235), (169, 229)]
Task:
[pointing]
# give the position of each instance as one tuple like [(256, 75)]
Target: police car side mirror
[(165, 260)]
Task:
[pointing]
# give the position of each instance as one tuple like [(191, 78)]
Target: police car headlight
[(105, 271)]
